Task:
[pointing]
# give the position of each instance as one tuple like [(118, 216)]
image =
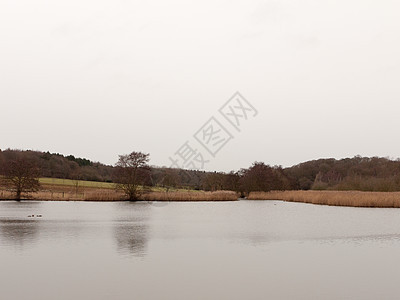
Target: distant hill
[(357, 173), (56, 165)]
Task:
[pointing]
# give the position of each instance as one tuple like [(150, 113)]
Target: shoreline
[(333, 198), (107, 195), (160, 201), (325, 197)]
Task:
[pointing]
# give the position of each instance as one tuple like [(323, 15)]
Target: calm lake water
[(209, 250)]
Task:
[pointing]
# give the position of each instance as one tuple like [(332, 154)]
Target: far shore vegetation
[(358, 181), (67, 191), (334, 198)]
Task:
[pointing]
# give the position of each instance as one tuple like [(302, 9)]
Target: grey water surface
[(203, 250)]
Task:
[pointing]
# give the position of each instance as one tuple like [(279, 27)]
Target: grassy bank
[(53, 189), (79, 183), (337, 198), (82, 184)]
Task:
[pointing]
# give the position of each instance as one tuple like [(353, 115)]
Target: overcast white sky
[(102, 78)]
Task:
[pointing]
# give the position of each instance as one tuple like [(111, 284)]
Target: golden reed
[(190, 196), (336, 198), (93, 194)]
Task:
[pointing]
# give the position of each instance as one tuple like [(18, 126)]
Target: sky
[(101, 78)]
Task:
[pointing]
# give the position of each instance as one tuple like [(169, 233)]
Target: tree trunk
[(132, 196), (18, 196)]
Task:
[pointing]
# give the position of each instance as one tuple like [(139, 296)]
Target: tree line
[(357, 173)]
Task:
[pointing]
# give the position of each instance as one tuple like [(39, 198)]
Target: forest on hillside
[(357, 173)]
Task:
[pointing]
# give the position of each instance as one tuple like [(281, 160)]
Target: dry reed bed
[(92, 194), (190, 196), (336, 198), (6, 195), (84, 195)]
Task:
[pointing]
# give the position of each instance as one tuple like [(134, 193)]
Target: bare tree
[(21, 175), (257, 178), (76, 178), (170, 179), (132, 173), (213, 181), (232, 182)]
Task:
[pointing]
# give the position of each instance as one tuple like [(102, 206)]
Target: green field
[(94, 184), (81, 183)]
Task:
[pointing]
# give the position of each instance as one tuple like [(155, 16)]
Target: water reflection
[(358, 239), (131, 238), (131, 230), (19, 232)]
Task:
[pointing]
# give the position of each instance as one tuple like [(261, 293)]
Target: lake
[(204, 250)]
